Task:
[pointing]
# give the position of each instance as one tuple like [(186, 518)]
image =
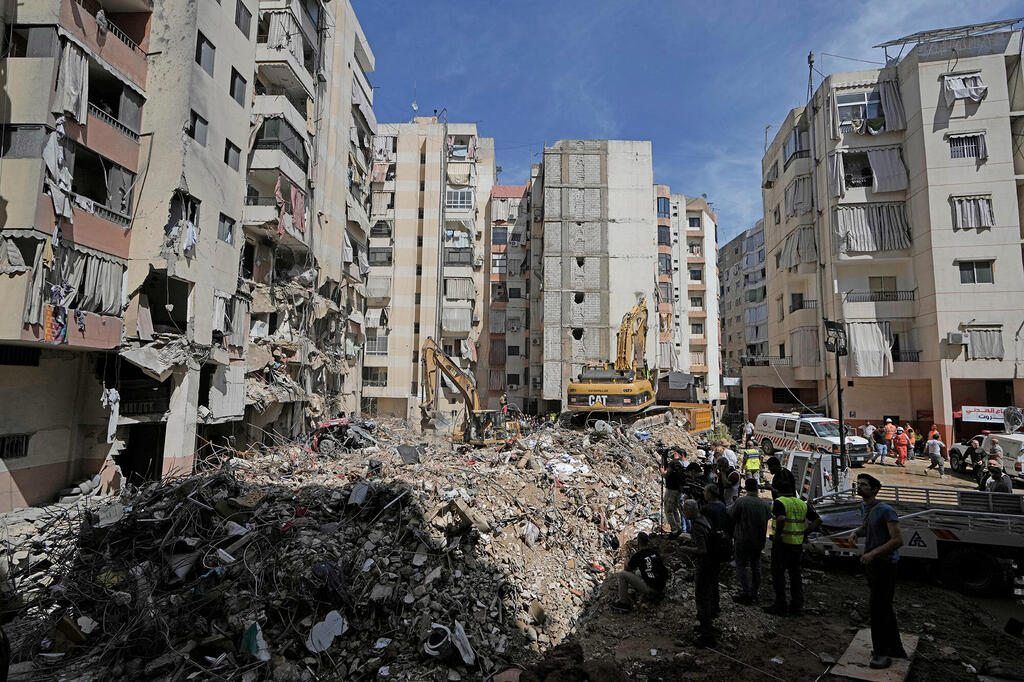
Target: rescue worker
[(794, 520), (933, 432), (752, 462), (901, 442), (890, 433), (504, 403)]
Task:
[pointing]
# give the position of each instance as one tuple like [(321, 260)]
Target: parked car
[(1013, 453), (793, 431)]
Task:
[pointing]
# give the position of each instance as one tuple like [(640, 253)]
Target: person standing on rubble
[(705, 591), (645, 573), (881, 527), (794, 521), (674, 474), (750, 516)]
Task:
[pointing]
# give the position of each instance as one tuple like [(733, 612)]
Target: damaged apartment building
[(183, 252), (431, 182)]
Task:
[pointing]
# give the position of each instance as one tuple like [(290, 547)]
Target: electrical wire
[(852, 59)]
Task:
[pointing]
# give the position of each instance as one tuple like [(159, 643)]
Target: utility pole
[(836, 342)]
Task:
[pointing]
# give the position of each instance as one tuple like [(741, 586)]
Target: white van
[(792, 431)]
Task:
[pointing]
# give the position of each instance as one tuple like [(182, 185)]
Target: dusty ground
[(653, 642)]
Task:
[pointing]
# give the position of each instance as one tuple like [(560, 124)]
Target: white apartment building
[(893, 204)]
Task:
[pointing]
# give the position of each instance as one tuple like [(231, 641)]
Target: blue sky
[(700, 80)]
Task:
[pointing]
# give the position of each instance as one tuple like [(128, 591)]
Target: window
[(859, 106), (975, 272), (664, 292), (24, 356), (382, 228), (380, 255), (806, 430), (499, 263), (375, 376), (664, 264), (790, 426), (232, 154), (14, 445), (968, 146), (197, 128), (499, 291), (696, 275), (515, 292), (782, 350), (238, 85), (225, 229), (972, 212), (376, 342), (827, 429), (243, 17), (877, 284), (696, 302), (777, 215), (663, 207), (459, 198), (277, 133), (697, 328), (797, 146), (454, 256), (513, 351), (693, 222), (499, 235), (205, 52), (664, 235), (511, 379)]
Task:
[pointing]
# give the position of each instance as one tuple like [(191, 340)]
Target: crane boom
[(435, 359), (632, 338)]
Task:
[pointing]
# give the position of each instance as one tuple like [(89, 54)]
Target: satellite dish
[(1013, 419)]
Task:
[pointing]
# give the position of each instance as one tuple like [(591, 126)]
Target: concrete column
[(180, 438), (942, 404)]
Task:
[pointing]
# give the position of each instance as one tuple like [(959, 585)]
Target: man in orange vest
[(901, 442), (890, 433)]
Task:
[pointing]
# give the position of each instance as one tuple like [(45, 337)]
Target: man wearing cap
[(999, 481), (901, 442), (881, 528), (890, 433)]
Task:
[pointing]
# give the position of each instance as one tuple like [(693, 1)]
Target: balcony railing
[(282, 147), (92, 7), (102, 211), (805, 304), (113, 122), (906, 356), (765, 361), (876, 296), (375, 382), (801, 154)]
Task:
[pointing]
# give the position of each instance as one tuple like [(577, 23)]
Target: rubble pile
[(407, 559)]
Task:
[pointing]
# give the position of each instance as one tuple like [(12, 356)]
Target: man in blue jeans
[(881, 446), (881, 527)]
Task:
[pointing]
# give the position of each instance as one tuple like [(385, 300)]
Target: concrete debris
[(288, 564)]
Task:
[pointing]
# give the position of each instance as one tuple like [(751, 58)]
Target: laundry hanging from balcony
[(468, 349), (972, 212), (872, 227), (379, 172), (384, 148), (803, 343), (870, 345), (963, 86), (798, 196), (800, 246), (299, 209), (72, 92)]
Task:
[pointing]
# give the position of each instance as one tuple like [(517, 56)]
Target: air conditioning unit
[(476, 319), (958, 339), (479, 262)]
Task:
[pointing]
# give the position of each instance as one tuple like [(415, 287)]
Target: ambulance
[(812, 432)]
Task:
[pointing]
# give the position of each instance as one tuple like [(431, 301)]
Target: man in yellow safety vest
[(752, 462), (794, 520)]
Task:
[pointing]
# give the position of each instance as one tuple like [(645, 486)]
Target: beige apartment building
[(894, 206), (427, 254), (173, 266), (744, 310)]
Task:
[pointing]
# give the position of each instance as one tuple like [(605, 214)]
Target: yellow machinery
[(481, 427), (625, 386)]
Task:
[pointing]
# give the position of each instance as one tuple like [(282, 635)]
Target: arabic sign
[(987, 415)]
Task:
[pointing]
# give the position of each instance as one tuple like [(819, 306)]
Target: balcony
[(906, 356), (118, 45), (765, 361), (281, 69), (273, 154), (378, 290), (868, 296), (805, 304), (271, 104)]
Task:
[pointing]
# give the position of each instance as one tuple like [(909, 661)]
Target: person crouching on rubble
[(645, 573)]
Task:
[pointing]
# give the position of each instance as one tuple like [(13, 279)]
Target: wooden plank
[(854, 662)]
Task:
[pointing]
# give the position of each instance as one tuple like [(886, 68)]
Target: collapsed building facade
[(183, 255)]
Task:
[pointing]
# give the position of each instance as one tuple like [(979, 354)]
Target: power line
[(852, 59)]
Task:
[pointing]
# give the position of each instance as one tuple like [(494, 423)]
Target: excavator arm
[(632, 338), (436, 360)]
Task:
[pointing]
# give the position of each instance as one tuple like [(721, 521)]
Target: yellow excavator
[(481, 427), (624, 386)]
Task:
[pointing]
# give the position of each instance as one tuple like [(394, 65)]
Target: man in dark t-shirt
[(645, 573), (783, 482), (881, 528)]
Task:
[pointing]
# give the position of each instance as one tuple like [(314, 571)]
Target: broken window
[(103, 187), (375, 376), (168, 301), (248, 260)]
